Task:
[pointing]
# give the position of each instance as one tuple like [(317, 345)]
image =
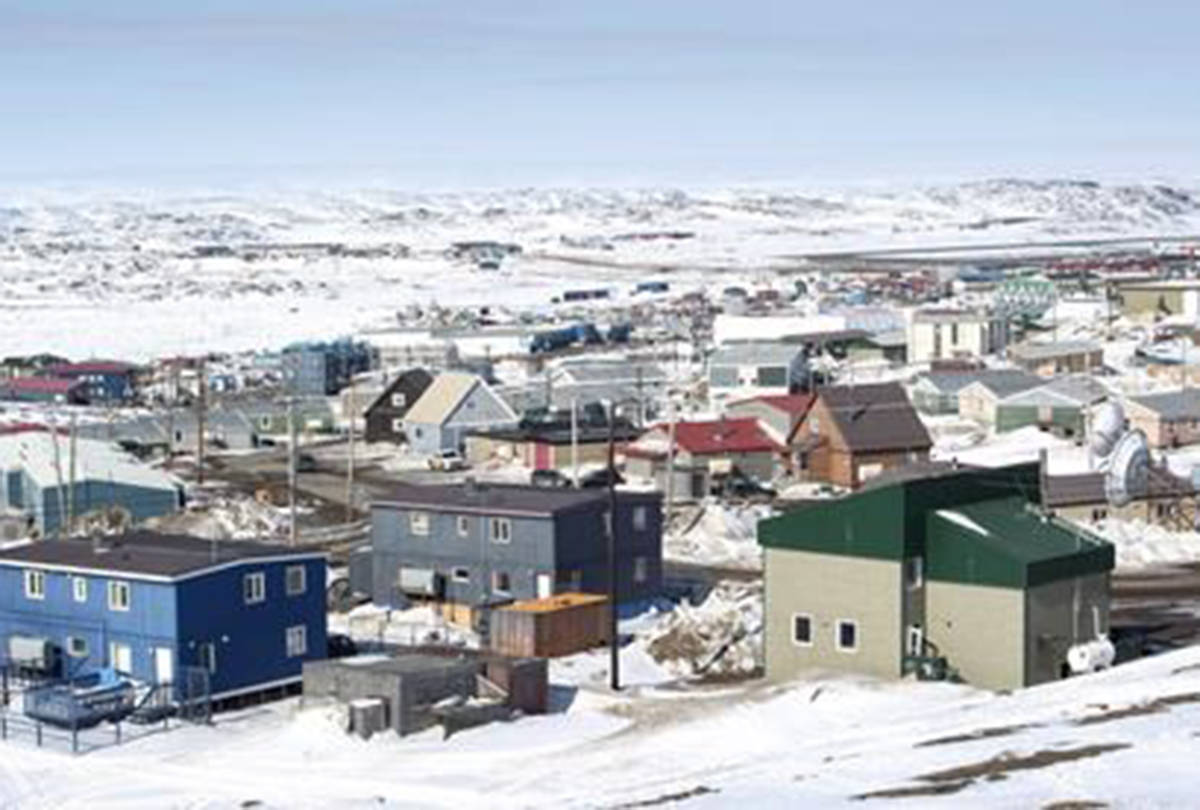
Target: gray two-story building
[(476, 544)]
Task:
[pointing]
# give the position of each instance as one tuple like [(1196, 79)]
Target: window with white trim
[(418, 523), (295, 580), (461, 575), (206, 656), (846, 635), (641, 569), (77, 647), (254, 588), (296, 639), (501, 582), (35, 584), (914, 642), (802, 627), (639, 518), (79, 589), (500, 530), (119, 596), (464, 525), (399, 400), (397, 425)]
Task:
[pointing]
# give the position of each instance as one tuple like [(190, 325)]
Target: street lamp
[(614, 643)]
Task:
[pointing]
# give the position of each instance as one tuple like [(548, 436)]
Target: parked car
[(549, 478), (306, 463), (339, 645), (599, 478), (741, 486), (447, 460)]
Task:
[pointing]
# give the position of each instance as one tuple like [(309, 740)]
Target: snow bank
[(724, 536)]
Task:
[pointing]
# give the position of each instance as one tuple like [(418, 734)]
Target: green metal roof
[(975, 527)]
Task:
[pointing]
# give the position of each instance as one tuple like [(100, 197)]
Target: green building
[(961, 573)]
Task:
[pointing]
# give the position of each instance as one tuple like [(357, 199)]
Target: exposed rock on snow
[(721, 636)]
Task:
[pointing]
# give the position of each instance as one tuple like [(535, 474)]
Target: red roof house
[(705, 452)]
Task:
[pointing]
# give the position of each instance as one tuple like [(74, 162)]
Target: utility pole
[(614, 641), (350, 456), (71, 488), (201, 415), (291, 417), (575, 440), (670, 482)]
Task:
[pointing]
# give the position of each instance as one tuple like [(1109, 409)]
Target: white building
[(948, 334)]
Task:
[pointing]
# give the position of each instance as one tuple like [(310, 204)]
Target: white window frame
[(77, 647), (35, 584), (460, 574), (295, 641), (399, 399), (500, 530), (811, 626), (113, 656), (639, 518), (252, 593), (301, 586), (418, 523), (914, 632), (641, 569), (462, 524), (837, 636), (120, 595), (79, 588), (910, 581), (397, 425), (496, 583), (211, 663)]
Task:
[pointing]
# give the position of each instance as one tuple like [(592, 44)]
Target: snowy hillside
[(144, 275)]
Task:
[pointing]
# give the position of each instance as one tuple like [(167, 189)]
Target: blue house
[(478, 543), (104, 380), (324, 369), (162, 608)]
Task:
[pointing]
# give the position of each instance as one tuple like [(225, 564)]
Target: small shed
[(550, 627)]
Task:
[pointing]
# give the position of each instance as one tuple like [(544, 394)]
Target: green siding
[(1014, 417), (863, 525)]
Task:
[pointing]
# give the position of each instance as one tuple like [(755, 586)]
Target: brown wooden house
[(385, 416), (854, 432)]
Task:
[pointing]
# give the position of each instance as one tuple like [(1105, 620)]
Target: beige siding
[(1054, 625), (828, 588), (980, 630)]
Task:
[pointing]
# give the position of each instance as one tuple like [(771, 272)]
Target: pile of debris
[(719, 638)]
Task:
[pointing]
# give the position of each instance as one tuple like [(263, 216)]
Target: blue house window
[(77, 647), (35, 584), (501, 530), (254, 588), (206, 656), (118, 596), (296, 580), (296, 639), (79, 589)]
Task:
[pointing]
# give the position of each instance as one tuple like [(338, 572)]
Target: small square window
[(77, 647), (297, 641), (35, 584), (464, 525), (296, 580), (397, 426), (79, 589), (118, 596), (254, 588), (399, 400), (802, 629), (461, 575), (418, 523), (501, 583), (501, 530), (639, 518), (847, 635)]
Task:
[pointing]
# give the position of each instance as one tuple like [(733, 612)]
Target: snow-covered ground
[(147, 275), (1121, 738), (1140, 545), (722, 535)]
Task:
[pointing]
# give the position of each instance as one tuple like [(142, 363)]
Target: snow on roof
[(95, 460), (962, 520), (728, 328)]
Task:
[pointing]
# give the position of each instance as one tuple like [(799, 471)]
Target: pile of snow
[(229, 516), (724, 536), (1142, 545), (721, 636), (412, 626)]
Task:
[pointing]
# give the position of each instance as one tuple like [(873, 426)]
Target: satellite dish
[(1107, 424), (1128, 469)]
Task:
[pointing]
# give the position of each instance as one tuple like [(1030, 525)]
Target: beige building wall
[(829, 588), (980, 630), (1054, 624), (977, 403)]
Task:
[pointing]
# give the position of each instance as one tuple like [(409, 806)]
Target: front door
[(120, 657), (164, 665), (544, 586), (916, 640)]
